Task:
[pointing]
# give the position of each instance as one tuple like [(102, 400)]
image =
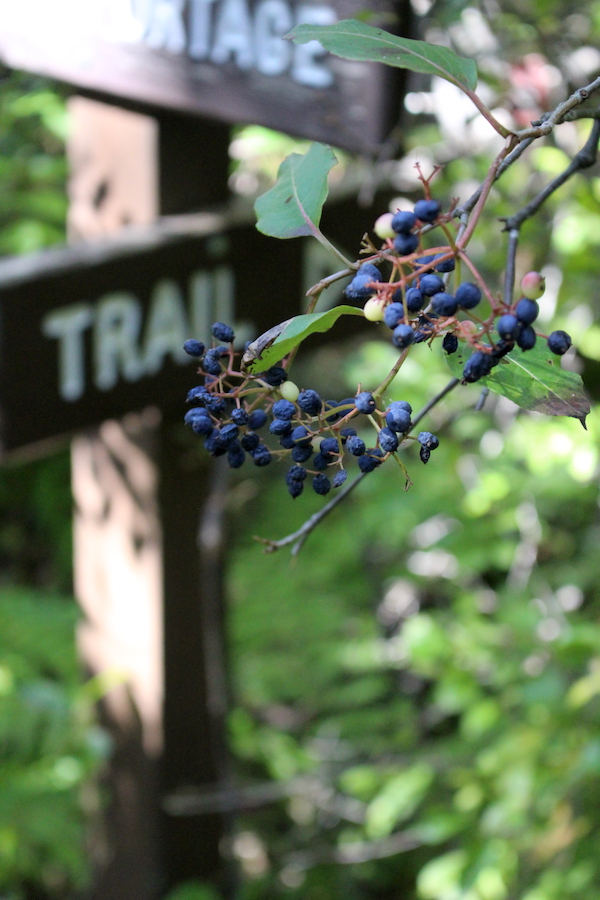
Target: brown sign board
[(95, 331), (221, 59)]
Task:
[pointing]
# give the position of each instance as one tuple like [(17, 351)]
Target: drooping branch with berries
[(416, 277)]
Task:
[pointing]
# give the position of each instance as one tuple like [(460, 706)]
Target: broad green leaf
[(355, 40), (261, 354), (534, 380), (293, 206), (397, 800)]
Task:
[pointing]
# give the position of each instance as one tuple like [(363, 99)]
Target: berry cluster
[(230, 409), (266, 417), (416, 304)]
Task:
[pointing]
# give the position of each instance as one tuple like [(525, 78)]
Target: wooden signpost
[(223, 59), (90, 347)]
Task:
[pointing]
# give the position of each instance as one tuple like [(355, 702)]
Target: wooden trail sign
[(222, 59), (95, 331)]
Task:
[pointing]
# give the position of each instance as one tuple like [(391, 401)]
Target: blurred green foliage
[(423, 681), (50, 747), (423, 684)]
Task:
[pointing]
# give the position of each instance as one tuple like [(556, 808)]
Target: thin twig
[(585, 158), (511, 260), (557, 115), (299, 537)]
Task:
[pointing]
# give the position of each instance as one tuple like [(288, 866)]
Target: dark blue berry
[(302, 454), (526, 338), (214, 404), (388, 440), (424, 260), (321, 484), (211, 365), (559, 342), (508, 327), (295, 488), (345, 433), (257, 419), (357, 289), (424, 453), (274, 376), (477, 366), (430, 285), (222, 332), (468, 295), (280, 426), (414, 299), (355, 445), (202, 425), (427, 439), (427, 210), (236, 456), (194, 348), (444, 304), (310, 402), (261, 455), (368, 462), (250, 441), (365, 402), (213, 445), (405, 244), (198, 394), (369, 271), (397, 418), (286, 441), (283, 409), (329, 446), (301, 436), (227, 435), (297, 473), (239, 416), (321, 461), (402, 336), (526, 311), (339, 478), (197, 412), (403, 222), (393, 314), (450, 343), (447, 265)]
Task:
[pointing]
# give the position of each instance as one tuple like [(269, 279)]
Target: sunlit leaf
[(397, 800), (355, 40), (293, 206), (533, 379), (276, 343)]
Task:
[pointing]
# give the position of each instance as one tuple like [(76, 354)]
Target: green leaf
[(276, 343), (355, 40), (293, 206), (532, 379)]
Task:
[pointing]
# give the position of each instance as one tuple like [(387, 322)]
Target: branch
[(585, 158)]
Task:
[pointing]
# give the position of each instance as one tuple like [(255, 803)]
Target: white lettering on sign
[(123, 346), (67, 326), (236, 31), (116, 330)]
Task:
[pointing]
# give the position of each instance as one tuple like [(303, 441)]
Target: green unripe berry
[(289, 391), (383, 226), (533, 285), (373, 310)]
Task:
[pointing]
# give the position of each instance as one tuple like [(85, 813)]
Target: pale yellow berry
[(533, 285), (373, 310), (383, 226), (289, 391)]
